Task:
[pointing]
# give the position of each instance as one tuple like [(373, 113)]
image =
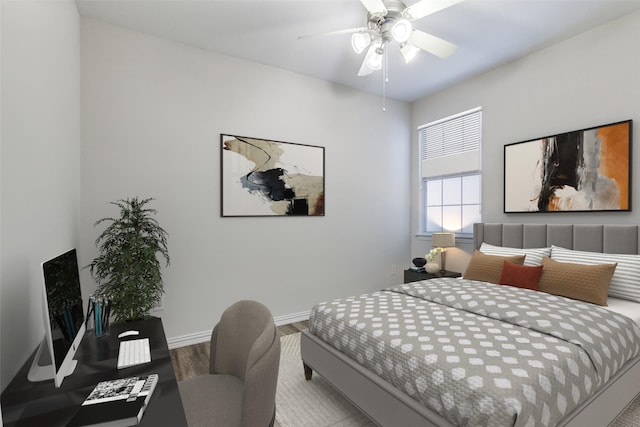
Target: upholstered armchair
[(240, 389)]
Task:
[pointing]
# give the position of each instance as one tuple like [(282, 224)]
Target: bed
[(450, 352)]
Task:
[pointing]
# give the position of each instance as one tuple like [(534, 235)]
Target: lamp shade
[(408, 51), (373, 59), (401, 30), (443, 240), (360, 41)]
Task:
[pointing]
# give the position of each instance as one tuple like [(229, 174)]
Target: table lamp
[(443, 241)]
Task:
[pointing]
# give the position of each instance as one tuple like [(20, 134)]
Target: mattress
[(481, 354)]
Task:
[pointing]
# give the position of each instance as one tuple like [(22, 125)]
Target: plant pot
[(432, 267)]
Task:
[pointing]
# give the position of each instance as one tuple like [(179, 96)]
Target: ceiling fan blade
[(333, 33), (432, 44), (364, 68), (427, 7), (375, 7)]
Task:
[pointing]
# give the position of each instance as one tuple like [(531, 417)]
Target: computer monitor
[(64, 324)]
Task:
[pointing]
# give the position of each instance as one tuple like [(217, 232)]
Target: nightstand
[(414, 276)]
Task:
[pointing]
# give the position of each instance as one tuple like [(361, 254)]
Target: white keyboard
[(134, 352)]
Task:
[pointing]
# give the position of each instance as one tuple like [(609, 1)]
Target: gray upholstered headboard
[(617, 239)]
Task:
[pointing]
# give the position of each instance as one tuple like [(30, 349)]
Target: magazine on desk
[(116, 403)]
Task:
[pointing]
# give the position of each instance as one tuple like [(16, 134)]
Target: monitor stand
[(42, 368)]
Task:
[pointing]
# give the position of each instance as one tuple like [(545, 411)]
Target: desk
[(41, 404)]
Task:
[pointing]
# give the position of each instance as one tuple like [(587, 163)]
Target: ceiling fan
[(389, 20)]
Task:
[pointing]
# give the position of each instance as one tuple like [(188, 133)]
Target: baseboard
[(204, 336), (292, 318), (189, 339)]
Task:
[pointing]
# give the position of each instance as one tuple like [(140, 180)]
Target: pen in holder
[(99, 310)]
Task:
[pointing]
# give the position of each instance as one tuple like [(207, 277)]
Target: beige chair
[(243, 367)]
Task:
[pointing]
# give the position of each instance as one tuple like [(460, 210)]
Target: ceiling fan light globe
[(408, 51), (374, 61), (401, 30), (360, 41)]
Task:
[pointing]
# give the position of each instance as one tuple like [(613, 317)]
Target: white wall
[(586, 81), (153, 111), (40, 162)]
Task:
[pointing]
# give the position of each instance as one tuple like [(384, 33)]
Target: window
[(451, 173)]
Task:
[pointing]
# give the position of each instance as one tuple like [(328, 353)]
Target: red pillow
[(521, 276)]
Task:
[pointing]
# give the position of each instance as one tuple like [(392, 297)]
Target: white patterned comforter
[(480, 354)]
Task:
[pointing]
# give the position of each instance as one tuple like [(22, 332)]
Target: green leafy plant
[(431, 256), (128, 270)]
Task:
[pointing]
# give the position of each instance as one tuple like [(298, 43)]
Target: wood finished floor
[(193, 360)]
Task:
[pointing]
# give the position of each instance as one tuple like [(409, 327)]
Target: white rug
[(301, 403)]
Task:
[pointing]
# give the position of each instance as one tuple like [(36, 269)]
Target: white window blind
[(451, 145)]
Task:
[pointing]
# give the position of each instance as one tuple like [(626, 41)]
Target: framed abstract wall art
[(580, 171), (261, 177)]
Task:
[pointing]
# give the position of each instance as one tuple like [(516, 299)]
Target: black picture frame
[(263, 177)]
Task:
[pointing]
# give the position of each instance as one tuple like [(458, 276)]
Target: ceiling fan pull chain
[(386, 67), (385, 79)]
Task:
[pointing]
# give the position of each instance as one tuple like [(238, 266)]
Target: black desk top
[(41, 404)]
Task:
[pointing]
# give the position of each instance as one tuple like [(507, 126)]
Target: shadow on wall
[(458, 257)]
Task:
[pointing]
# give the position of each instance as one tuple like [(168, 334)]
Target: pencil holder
[(99, 312)]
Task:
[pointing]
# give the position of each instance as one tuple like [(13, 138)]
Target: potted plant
[(127, 270)]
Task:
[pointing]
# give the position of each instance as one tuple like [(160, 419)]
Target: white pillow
[(625, 282), (533, 255)]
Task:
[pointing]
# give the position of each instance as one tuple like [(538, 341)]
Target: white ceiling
[(488, 33)]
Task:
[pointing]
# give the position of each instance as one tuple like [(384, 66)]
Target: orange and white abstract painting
[(583, 170)]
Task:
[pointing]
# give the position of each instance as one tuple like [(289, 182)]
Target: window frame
[(442, 205)]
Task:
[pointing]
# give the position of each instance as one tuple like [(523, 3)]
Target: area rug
[(301, 403), (630, 417)]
